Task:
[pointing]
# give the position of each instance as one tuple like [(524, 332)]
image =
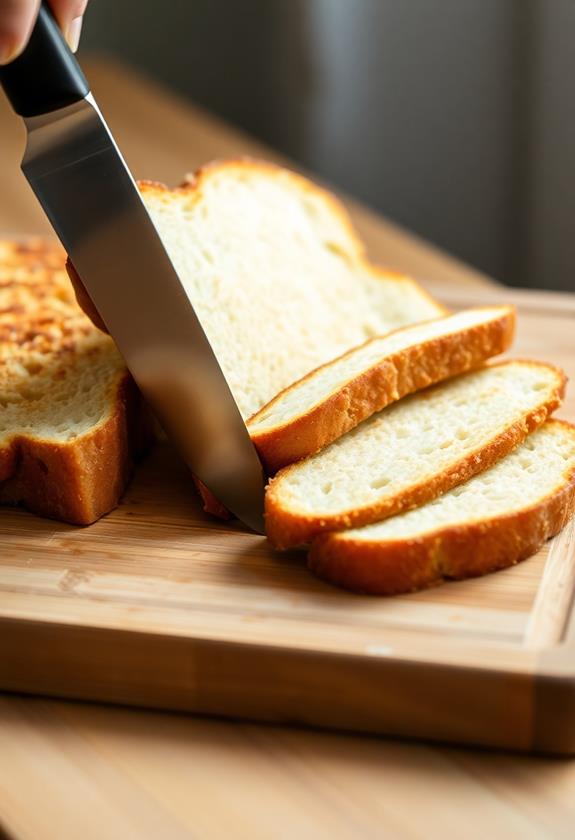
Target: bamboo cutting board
[(159, 605)]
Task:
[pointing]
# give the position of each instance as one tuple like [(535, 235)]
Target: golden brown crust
[(390, 567), (287, 528), (395, 376), (81, 479), (38, 315)]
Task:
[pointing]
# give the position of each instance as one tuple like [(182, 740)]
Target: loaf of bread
[(494, 520), (336, 397), (412, 451), (71, 418), (317, 343)]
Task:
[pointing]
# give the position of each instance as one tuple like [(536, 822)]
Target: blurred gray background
[(452, 117)]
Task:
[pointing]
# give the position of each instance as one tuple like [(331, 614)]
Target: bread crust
[(391, 567), (287, 528), (393, 377), (79, 480)]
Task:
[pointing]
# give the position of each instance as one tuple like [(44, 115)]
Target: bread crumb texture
[(57, 371), (276, 274), (523, 478)]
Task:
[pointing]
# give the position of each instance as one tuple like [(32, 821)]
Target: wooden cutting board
[(159, 605)]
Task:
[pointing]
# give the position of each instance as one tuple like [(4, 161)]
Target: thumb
[(69, 14), (17, 17)]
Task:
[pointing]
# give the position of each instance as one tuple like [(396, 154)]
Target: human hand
[(83, 297), (17, 19)]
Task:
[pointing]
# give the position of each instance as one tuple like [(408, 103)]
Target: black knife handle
[(46, 76)]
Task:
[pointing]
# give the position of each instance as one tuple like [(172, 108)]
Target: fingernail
[(8, 52), (73, 33)]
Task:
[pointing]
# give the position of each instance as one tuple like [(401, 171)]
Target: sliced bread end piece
[(78, 479), (496, 519), (412, 451), (339, 395), (71, 418)]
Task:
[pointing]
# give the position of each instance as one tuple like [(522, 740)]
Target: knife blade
[(78, 174)]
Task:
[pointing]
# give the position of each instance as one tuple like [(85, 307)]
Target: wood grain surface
[(69, 770)]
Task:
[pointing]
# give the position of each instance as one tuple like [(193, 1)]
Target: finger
[(69, 14), (83, 297), (17, 18)]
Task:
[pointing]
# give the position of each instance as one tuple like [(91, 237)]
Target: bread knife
[(81, 180)]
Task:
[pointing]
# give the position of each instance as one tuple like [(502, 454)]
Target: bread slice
[(494, 520), (336, 397), (71, 418), (276, 274), (412, 451)]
